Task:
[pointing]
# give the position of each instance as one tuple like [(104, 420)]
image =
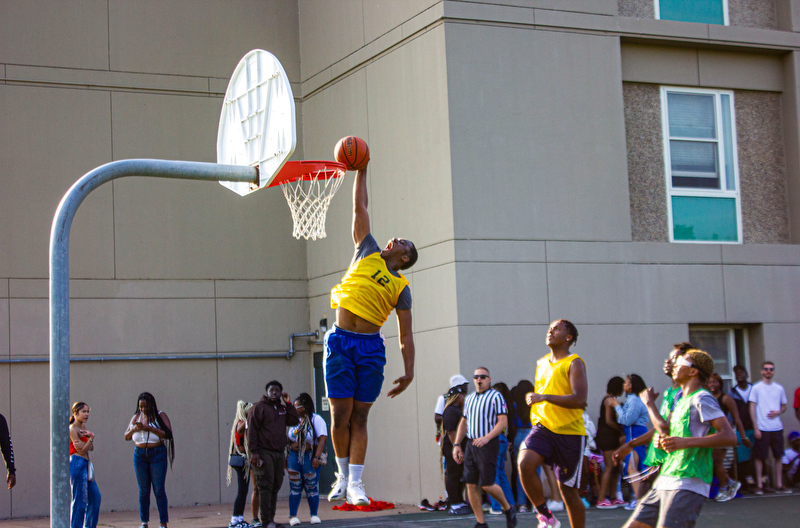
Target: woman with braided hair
[(239, 460), (151, 432), (306, 456)]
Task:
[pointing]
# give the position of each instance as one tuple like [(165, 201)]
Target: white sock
[(355, 472), (344, 466)]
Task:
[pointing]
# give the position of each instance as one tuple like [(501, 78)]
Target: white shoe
[(356, 494), (338, 489), (315, 520), (555, 506), (294, 521)]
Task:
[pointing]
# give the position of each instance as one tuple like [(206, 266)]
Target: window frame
[(720, 141), (733, 359), (725, 13)]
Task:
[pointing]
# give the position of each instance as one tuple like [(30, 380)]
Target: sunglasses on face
[(480, 376), (685, 362), (769, 369)]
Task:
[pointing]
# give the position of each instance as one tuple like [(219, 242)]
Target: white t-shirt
[(789, 454), (439, 409), (319, 427), (768, 397)]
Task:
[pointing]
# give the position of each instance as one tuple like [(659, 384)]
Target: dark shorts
[(564, 453), (673, 508), (770, 441), (354, 365), (480, 463)]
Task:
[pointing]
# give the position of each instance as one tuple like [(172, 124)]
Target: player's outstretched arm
[(406, 334), (360, 203)]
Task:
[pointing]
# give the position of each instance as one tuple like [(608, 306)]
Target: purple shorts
[(564, 453)]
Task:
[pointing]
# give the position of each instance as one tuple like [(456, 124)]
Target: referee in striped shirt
[(485, 417)]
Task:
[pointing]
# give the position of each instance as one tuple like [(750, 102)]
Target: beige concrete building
[(631, 165)]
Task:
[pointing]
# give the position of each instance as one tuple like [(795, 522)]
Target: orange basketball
[(353, 152)]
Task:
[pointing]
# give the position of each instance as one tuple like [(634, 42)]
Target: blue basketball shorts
[(354, 365)]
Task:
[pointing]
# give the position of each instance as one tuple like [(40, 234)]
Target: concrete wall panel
[(628, 293), (758, 294), (725, 69), (5, 336), (381, 16), (210, 38), (5, 409), (502, 294), (435, 298), (38, 168), (549, 135), (66, 35), (262, 325), (321, 46)]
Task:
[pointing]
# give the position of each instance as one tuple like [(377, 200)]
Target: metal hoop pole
[(59, 297)]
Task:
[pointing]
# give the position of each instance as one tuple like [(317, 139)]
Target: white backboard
[(257, 122)]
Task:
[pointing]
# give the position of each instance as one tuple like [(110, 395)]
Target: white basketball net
[(308, 200)]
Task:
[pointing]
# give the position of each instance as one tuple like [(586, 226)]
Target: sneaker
[(523, 509), (481, 525), (555, 506), (492, 511), (294, 521), (426, 506), (618, 501), (315, 520), (729, 492), (460, 509), (759, 491), (544, 522), (631, 505), (441, 505), (511, 517), (585, 503), (487, 506), (338, 489), (783, 491), (356, 494), (256, 523), (606, 504)]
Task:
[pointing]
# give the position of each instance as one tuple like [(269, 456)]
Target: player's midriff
[(347, 320)]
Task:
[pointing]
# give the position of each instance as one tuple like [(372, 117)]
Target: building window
[(726, 344), (701, 166), (702, 11)]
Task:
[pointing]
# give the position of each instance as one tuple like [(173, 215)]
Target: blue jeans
[(501, 478), (150, 465), (85, 507), (519, 437), (304, 477)]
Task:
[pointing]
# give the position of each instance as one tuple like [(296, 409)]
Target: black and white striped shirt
[(481, 411)]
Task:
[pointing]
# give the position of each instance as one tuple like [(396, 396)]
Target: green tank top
[(655, 455), (693, 462)]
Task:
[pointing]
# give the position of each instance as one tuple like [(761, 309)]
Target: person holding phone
[(85, 507)]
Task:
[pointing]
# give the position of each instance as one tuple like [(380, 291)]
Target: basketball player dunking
[(355, 354)]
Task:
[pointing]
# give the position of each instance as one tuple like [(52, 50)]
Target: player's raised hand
[(401, 384)]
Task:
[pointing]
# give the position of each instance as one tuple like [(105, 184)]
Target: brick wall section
[(645, 162), (762, 169)]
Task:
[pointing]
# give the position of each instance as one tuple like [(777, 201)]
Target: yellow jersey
[(553, 378), (369, 289)]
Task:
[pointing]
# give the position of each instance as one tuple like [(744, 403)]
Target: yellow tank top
[(369, 290), (553, 378)]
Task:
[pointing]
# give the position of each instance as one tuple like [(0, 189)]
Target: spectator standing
[(266, 440), (767, 403), (453, 471), (8, 453), (306, 457), (522, 419), (456, 380), (634, 417), (740, 393), (485, 417), (728, 487), (501, 479), (558, 436), (608, 437), (85, 507), (239, 461), (154, 447), (797, 403)]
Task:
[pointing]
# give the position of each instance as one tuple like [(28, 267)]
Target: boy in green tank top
[(686, 471)]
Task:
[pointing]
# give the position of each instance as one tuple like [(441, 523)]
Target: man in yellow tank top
[(355, 354), (558, 436)]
